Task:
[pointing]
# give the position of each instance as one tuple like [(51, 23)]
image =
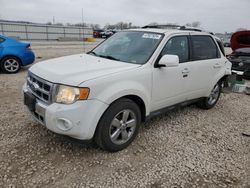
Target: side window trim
[(189, 55)]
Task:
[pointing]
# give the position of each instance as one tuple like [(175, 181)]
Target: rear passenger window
[(177, 46), (204, 48)]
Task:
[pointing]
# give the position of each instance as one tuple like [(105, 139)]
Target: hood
[(240, 39), (75, 69)]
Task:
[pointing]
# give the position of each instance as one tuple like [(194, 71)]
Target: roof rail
[(166, 26), (172, 26)]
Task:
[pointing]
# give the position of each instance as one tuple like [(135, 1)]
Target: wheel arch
[(140, 103), (15, 56)]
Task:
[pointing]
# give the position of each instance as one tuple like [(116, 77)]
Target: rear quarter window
[(204, 48), (221, 46)]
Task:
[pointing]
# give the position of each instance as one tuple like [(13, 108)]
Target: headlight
[(69, 95)]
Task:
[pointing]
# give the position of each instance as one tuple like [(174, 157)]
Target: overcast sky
[(214, 15)]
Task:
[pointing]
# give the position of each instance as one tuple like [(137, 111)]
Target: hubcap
[(214, 95), (122, 127), (11, 65)]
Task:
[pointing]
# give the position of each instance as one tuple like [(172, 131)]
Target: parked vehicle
[(240, 57), (97, 33), (135, 74), (107, 34), (227, 42), (14, 54)]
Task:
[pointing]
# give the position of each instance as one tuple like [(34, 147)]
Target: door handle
[(217, 65), (185, 71)]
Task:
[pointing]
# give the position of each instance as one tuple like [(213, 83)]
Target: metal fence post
[(26, 32), (47, 32), (2, 28)]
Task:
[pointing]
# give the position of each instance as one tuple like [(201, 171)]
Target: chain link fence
[(24, 31)]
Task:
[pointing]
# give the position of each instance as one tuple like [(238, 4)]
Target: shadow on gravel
[(74, 145)]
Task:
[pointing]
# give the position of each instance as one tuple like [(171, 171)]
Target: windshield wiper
[(104, 56), (109, 57), (91, 52)]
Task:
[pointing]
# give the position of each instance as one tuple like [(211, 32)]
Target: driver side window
[(177, 46)]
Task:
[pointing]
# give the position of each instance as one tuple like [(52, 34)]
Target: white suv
[(104, 95)]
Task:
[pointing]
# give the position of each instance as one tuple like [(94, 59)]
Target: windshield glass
[(129, 46)]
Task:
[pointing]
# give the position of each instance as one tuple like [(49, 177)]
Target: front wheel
[(210, 102), (118, 126)]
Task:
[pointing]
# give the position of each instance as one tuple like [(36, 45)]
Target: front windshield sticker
[(151, 36)]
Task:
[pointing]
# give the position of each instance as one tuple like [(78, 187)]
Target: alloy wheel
[(11, 65), (215, 93), (122, 127)]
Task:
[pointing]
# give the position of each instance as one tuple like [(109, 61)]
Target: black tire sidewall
[(102, 136), (6, 58)]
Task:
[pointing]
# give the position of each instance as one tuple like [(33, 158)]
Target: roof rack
[(172, 26)]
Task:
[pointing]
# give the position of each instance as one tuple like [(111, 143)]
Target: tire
[(118, 126), (210, 102), (10, 65)]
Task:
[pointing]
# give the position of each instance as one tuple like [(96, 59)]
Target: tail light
[(28, 47)]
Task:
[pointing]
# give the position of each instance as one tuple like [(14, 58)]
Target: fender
[(119, 90), (223, 72)]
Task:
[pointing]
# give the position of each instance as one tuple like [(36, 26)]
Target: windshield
[(129, 46)]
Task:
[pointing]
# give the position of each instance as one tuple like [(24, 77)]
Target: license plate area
[(30, 101)]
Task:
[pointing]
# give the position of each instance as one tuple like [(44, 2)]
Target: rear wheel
[(210, 102), (10, 65), (119, 125)]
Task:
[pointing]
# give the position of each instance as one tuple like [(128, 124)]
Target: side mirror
[(169, 61)]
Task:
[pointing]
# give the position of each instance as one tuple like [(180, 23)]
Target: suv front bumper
[(77, 120)]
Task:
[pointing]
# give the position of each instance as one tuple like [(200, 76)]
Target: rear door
[(204, 65)]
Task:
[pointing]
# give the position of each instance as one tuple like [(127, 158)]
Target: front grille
[(39, 87)]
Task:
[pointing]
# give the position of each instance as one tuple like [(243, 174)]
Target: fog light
[(64, 124)]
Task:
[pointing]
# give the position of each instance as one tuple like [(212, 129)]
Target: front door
[(169, 82)]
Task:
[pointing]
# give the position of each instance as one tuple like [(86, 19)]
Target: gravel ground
[(188, 147)]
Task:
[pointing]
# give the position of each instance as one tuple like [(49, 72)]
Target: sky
[(214, 15)]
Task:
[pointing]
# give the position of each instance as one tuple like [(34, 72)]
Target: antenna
[(83, 32)]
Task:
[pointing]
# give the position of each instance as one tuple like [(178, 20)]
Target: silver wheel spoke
[(124, 135), (116, 123), (210, 100), (125, 116), (131, 123), (116, 134), (8, 61)]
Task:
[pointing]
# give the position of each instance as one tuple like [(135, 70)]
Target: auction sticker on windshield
[(151, 36)]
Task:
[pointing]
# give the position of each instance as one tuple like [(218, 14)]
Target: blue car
[(14, 54)]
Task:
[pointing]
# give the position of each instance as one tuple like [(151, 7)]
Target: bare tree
[(194, 24)]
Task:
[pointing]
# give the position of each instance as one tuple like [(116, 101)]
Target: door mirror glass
[(169, 61)]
